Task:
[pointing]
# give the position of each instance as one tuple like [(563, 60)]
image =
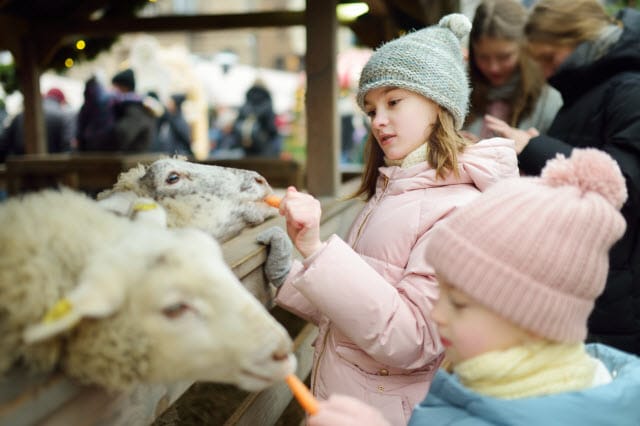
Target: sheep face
[(177, 313), (219, 200)]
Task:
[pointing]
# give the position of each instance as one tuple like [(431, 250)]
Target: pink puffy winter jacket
[(371, 295)]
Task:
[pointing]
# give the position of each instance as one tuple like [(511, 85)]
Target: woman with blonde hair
[(506, 82), (593, 59)]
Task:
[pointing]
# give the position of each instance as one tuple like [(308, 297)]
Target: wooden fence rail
[(94, 172)]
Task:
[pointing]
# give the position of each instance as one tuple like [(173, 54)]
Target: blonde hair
[(503, 20), (445, 144), (568, 23)]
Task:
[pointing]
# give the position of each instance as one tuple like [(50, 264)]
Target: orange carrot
[(302, 394), (273, 200)]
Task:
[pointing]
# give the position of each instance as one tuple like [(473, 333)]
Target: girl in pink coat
[(371, 295)]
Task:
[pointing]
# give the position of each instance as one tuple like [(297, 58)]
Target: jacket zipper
[(385, 183), (314, 374), (317, 365)]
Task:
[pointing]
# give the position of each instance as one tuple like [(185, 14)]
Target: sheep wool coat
[(614, 403), (371, 295)]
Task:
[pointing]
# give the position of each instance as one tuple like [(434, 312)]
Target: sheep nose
[(279, 356)]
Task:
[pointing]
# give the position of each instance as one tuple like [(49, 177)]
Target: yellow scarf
[(531, 370), (418, 155)]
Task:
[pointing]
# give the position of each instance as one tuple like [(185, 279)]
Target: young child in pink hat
[(519, 270)]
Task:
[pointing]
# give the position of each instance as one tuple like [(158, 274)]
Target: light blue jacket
[(616, 403)]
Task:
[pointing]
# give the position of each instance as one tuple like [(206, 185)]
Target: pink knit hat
[(536, 250)]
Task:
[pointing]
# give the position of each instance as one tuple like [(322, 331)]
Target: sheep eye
[(172, 178), (176, 310), (260, 181)]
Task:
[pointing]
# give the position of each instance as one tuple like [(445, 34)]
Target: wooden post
[(323, 141), (35, 138)]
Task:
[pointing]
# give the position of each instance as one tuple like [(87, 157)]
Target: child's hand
[(501, 128), (340, 410), (302, 213)]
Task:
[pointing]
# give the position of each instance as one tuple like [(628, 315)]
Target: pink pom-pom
[(591, 170)]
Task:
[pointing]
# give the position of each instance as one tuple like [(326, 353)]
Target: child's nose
[(380, 119)]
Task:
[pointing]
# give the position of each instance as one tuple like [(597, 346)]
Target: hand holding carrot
[(302, 213)]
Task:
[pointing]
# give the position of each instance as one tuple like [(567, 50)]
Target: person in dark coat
[(59, 127), (255, 128), (115, 121), (174, 133), (596, 68)]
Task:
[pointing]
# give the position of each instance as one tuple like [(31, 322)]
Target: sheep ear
[(139, 209), (86, 300), (148, 211), (61, 317), (118, 202)]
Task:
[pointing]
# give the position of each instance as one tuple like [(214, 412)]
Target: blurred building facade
[(276, 48)]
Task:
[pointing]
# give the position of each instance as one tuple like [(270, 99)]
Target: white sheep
[(113, 302), (222, 201)]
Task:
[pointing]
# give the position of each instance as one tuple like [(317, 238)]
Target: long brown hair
[(444, 145), (504, 20), (568, 23)]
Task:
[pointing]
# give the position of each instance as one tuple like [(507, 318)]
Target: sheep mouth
[(256, 376), (266, 374)]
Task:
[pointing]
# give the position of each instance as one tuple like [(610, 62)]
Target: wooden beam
[(35, 138), (113, 26), (11, 31), (323, 141)]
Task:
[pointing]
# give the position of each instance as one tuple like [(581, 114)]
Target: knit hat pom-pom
[(457, 23), (591, 170)]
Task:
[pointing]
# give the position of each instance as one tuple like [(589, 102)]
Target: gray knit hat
[(428, 62)]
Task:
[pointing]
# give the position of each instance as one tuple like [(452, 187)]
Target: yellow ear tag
[(143, 207), (62, 308)]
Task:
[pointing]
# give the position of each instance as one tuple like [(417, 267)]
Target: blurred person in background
[(119, 120), (255, 128), (173, 132), (593, 59), (59, 127), (505, 81)]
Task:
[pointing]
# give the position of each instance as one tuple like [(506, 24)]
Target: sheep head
[(222, 201), (163, 307)]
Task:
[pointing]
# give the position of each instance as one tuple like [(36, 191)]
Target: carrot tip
[(306, 400), (273, 200)]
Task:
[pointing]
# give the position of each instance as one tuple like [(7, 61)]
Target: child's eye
[(371, 113), (393, 102)]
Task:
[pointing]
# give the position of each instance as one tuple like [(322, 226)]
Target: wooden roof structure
[(35, 31)]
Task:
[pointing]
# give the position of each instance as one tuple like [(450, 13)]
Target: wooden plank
[(278, 172), (35, 137), (323, 141), (89, 172), (117, 26), (93, 172)]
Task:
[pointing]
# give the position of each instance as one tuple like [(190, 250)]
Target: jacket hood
[(623, 56), (481, 164), (614, 403)]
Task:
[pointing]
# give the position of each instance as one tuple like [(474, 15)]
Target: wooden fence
[(94, 172)]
